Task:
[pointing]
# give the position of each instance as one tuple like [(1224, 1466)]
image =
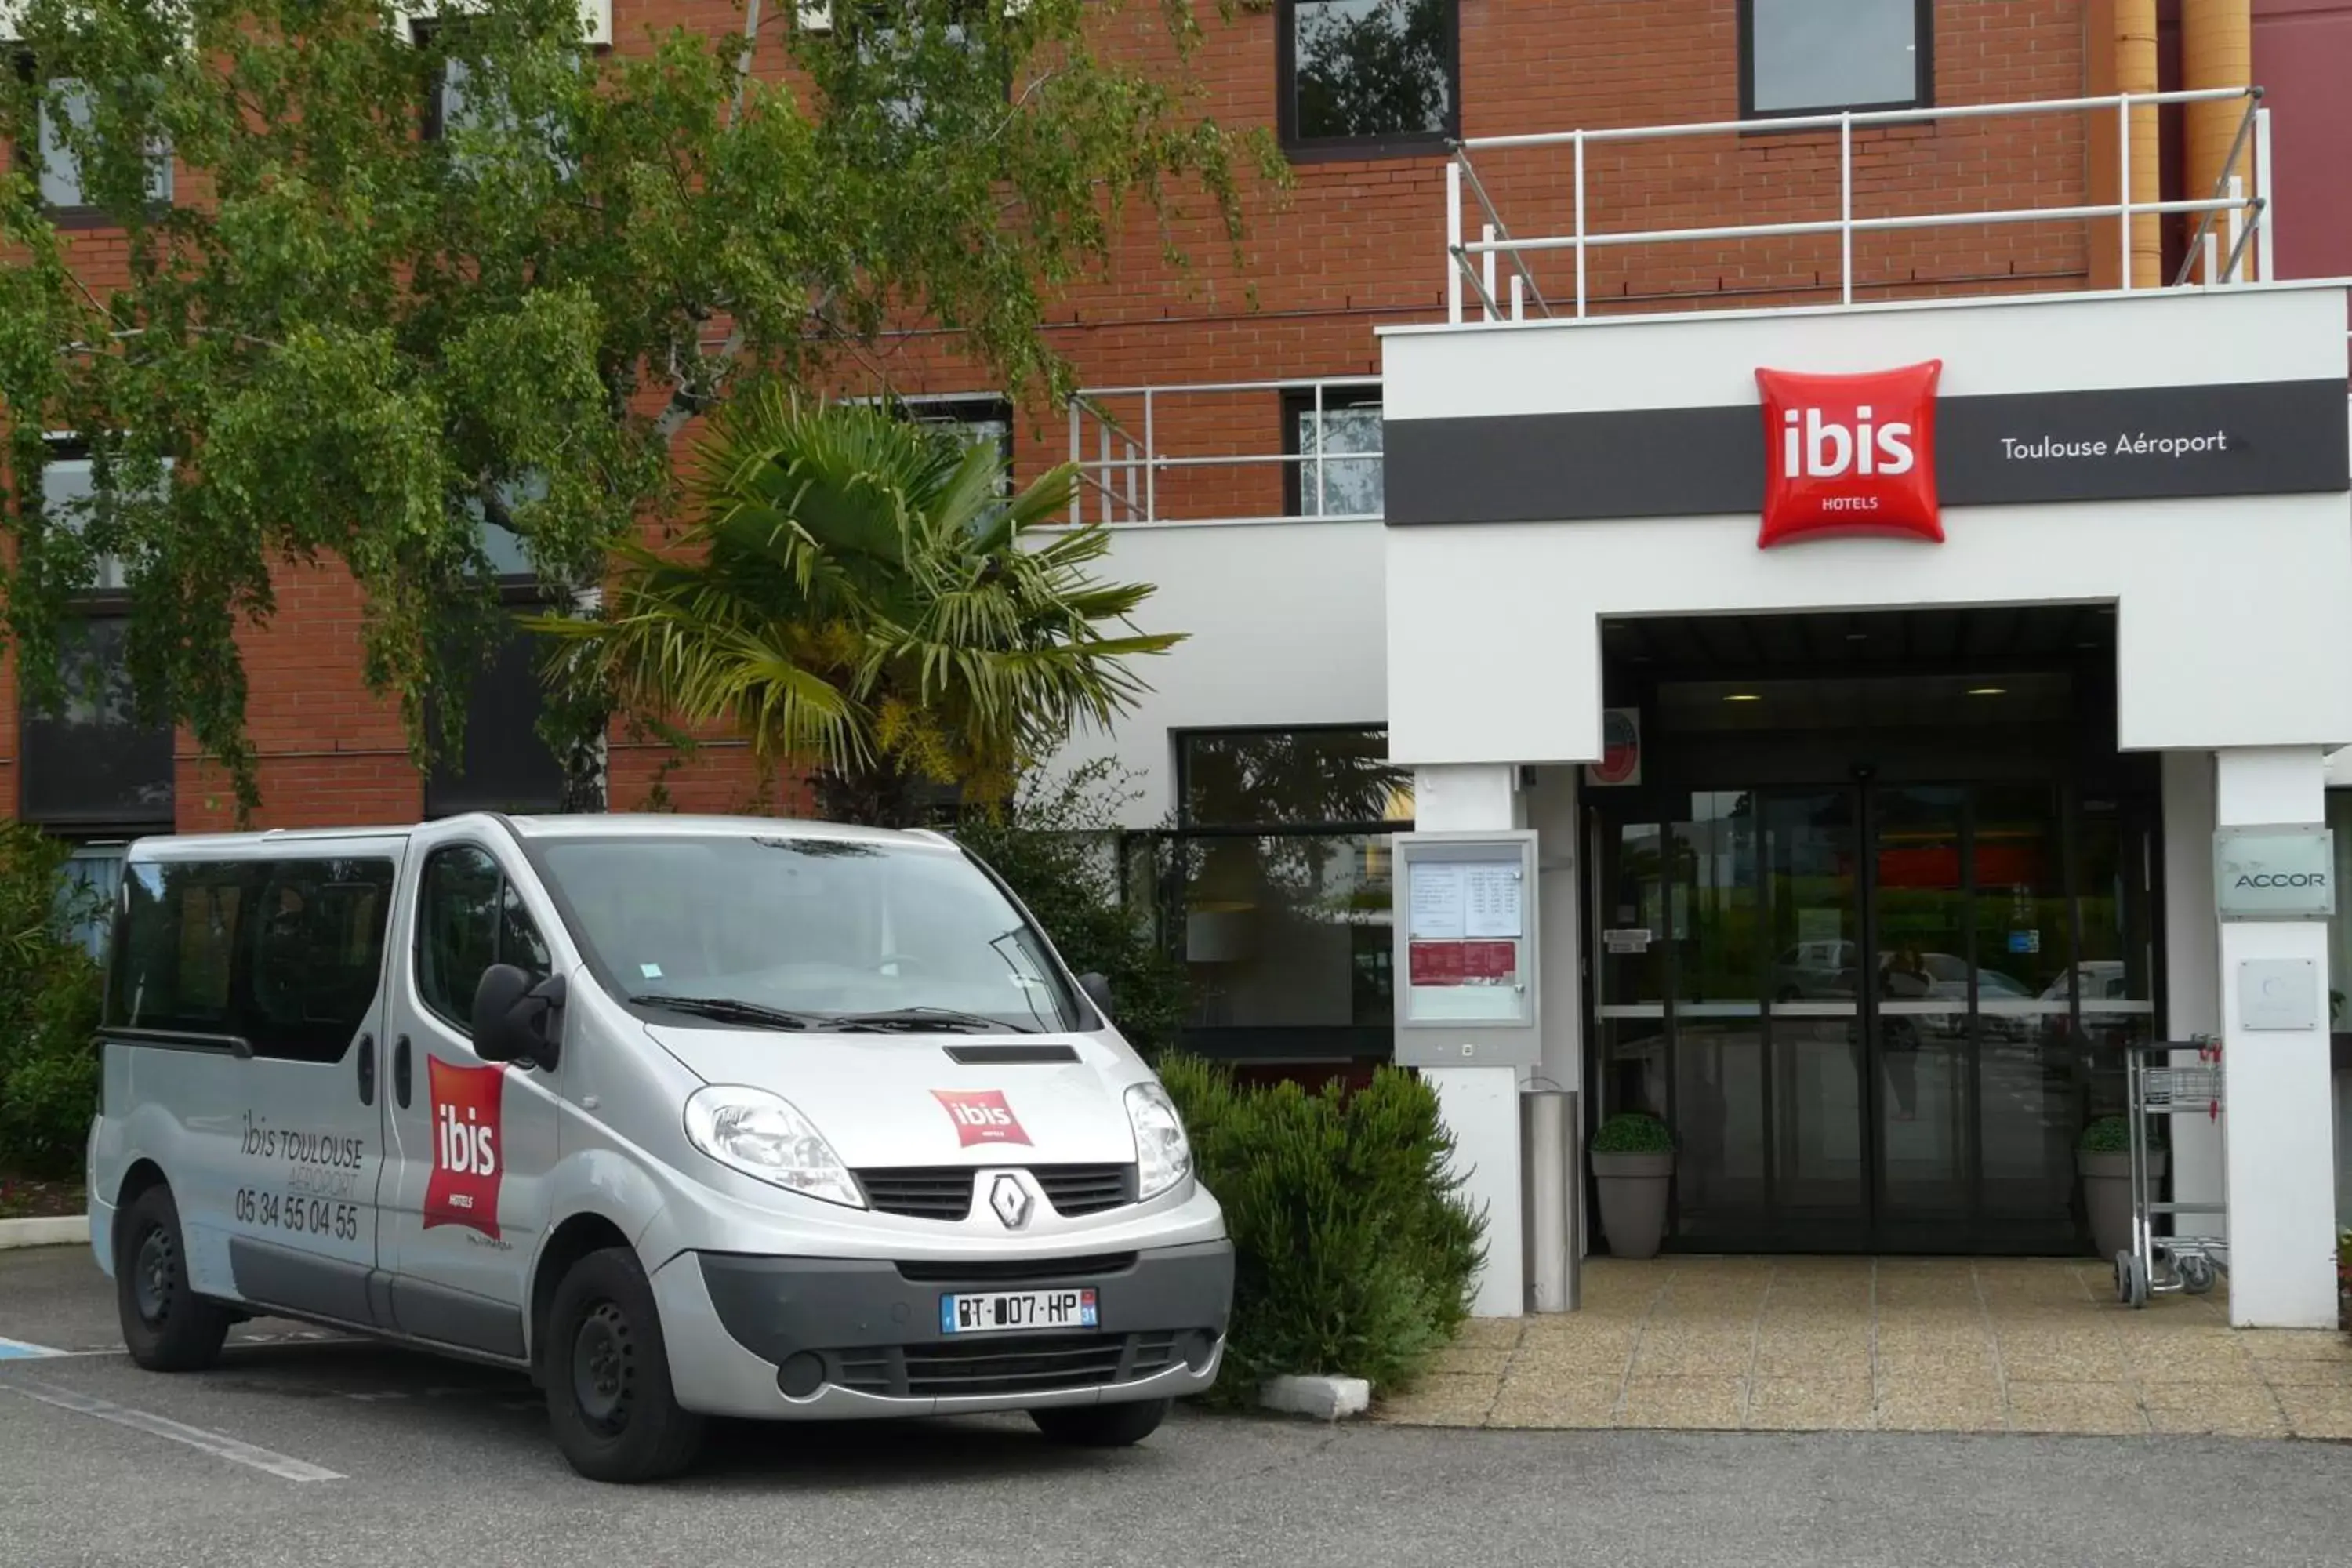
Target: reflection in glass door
[(1858, 1006)]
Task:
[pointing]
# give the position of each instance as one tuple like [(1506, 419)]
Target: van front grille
[(1075, 1190), (944, 1192), (1007, 1365), (920, 1192)]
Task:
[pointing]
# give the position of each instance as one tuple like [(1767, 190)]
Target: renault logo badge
[(1010, 1201)]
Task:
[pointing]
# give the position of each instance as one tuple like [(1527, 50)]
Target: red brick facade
[(1354, 246)]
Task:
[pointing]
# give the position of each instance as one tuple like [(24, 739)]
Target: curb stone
[(58, 1230), (1322, 1398)]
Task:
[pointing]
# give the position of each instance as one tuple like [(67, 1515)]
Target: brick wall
[(1354, 245)]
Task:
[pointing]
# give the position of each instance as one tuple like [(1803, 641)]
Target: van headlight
[(761, 1135), (1163, 1155)]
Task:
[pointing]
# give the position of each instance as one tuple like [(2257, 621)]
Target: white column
[(2192, 970), (2281, 1153), (1481, 1104)]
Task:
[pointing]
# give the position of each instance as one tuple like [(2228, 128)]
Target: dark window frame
[(85, 608), (81, 216), (1300, 148), (1296, 403), (1923, 37), (965, 408), (1250, 1042), (515, 592)]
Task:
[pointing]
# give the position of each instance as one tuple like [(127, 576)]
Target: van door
[(469, 1143), (249, 995)]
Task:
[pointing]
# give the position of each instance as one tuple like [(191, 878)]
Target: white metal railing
[(2241, 198), (1116, 435)]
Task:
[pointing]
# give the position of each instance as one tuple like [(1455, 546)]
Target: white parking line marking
[(17, 1349), (212, 1443)]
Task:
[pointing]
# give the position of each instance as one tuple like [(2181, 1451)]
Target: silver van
[(688, 1117)]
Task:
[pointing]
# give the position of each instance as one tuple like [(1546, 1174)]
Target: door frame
[(2139, 828)]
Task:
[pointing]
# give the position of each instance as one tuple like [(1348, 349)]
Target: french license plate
[(999, 1311)]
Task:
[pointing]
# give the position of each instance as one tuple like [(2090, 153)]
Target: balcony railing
[(1119, 436), (2234, 213), (1264, 451)]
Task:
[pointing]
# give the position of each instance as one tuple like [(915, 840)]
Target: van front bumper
[(830, 1339)]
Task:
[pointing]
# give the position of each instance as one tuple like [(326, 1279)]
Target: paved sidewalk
[(1887, 1344)]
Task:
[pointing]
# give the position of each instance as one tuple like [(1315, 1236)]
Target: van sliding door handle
[(400, 1071), (367, 1069)]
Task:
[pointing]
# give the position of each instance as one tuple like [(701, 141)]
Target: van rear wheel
[(1102, 1426), (606, 1372), (166, 1326)]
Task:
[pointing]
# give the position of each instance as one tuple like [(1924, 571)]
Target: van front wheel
[(606, 1372), (1101, 1426), (166, 1326)]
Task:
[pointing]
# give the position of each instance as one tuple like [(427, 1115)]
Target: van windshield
[(811, 929)]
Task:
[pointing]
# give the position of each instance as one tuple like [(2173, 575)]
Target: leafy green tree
[(413, 284), (860, 599)]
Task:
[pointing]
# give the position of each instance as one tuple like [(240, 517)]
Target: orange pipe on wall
[(2217, 49), (2129, 49)]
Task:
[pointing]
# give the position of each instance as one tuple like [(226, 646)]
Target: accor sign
[(2283, 880), (1849, 454)]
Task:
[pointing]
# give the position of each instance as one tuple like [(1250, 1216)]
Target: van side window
[(469, 917), (285, 955), (317, 956)]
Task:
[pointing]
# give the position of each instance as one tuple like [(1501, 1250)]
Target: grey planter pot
[(2106, 1194), (1633, 1189)]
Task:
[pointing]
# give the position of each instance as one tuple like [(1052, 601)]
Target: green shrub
[(1057, 847), (1632, 1132), (1354, 1253), (49, 1011), (2112, 1135)]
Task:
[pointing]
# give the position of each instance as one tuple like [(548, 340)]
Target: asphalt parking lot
[(301, 1449)]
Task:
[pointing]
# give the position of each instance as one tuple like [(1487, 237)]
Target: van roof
[(572, 826)]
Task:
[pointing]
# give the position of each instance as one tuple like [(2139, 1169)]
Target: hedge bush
[(1632, 1133), (49, 1011), (1354, 1252)]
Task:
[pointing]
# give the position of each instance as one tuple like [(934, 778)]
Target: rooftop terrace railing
[(2235, 213)]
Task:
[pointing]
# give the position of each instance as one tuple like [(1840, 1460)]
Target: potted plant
[(2104, 1160), (1633, 1164)]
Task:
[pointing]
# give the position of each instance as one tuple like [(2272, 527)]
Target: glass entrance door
[(1855, 1005)]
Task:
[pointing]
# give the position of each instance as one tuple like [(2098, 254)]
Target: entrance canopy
[(2176, 461)]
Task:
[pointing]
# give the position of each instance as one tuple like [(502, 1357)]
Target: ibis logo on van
[(981, 1116), (468, 1161)]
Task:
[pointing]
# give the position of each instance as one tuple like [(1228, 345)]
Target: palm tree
[(859, 598)]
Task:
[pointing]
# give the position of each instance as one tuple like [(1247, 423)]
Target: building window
[(89, 887), (1368, 75), (1274, 889), (1814, 57), (65, 118), (460, 101), (1338, 450), (502, 764), (91, 760)]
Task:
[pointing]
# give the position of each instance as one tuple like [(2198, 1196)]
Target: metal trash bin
[(1552, 1198)]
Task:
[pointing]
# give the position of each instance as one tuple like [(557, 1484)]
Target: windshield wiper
[(729, 1010), (929, 1020)]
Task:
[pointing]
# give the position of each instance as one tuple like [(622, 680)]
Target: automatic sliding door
[(1813, 898), (1923, 1079), (1722, 1100)]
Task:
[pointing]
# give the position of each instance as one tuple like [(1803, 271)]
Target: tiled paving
[(1885, 1344)]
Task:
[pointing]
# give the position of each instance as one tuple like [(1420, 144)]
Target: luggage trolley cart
[(2154, 1087)]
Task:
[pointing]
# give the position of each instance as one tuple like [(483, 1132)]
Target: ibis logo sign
[(1849, 454)]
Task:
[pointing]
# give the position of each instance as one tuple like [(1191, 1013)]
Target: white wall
[(2230, 610), (1284, 627)]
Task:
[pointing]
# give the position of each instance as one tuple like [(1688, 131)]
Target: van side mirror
[(1097, 990), (511, 1012)]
